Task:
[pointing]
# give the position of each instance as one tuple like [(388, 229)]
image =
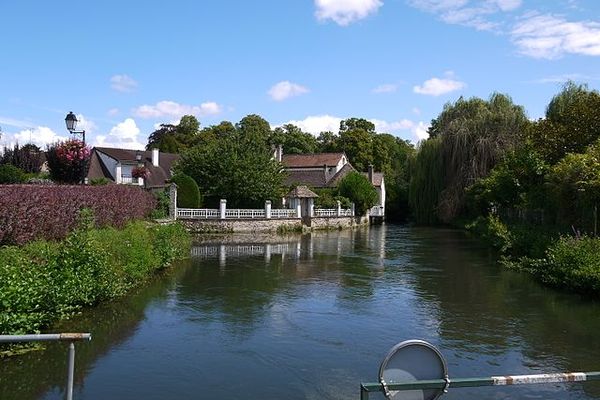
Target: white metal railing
[(283, 213), (240, 213), (129, 180), (377, 211), (198, 213), (346, 212), (326, 212)]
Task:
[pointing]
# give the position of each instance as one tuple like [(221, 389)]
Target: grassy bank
[(43, 281), (553, 257)]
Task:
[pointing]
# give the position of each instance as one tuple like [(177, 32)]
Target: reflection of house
[(326, 170), (117, 165)]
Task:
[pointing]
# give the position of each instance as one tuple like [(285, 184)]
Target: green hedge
[(188, 193), (43, 281)]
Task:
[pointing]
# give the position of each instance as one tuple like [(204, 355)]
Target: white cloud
[(286, 89), (550, 37), (113, 112), (123, 83), (564, 78), (175, 110), (84, 124), (124, 135), (385, 88), (474, 14), (416, 110), (420, 131), (438, 86), (316, 124), (40, 136), (344, 12)]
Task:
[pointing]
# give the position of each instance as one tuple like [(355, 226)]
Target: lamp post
[(71, 121)]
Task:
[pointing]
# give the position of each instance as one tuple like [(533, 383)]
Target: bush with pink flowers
[(30, 212), (68, 161)]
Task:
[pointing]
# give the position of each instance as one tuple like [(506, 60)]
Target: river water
[(310, 317)]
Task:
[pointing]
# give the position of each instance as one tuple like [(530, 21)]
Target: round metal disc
[(413, 360)]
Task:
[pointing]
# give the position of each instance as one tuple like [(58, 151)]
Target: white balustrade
[(283, 213), (240, 213), (197, 213)]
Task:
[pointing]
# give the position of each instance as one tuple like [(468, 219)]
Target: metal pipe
[(71, 371), (48, 337), (485, 381)]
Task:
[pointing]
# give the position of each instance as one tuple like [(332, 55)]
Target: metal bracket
[(447, 385)]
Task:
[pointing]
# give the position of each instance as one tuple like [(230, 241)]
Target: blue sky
[(126, 66)]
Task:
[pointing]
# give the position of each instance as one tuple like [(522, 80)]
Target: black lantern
[(138, 156), (71, 121)]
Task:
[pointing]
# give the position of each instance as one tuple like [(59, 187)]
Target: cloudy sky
[(125, 66)]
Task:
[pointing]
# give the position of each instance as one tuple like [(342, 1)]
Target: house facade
[(326, 170), (117, 165)]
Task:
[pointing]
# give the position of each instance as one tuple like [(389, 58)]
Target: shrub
[(11, 174), (359, 190), (163, 202), (43, 281), (27, 158), (188, 193), (67, 161), (29, 212), (99, 181)]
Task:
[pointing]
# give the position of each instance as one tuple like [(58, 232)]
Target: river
[(310, 317)]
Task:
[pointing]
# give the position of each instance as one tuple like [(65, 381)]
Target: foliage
[(140, 172), (99, 181), (426, 181), (359, 190), (572, 123), (30, 212), (239, 167), (163, 203), (28, 158), (328, 198), (68, 161), (11, 174), (294, 140), (572, 263), (43, 281), (475, 135), (169, 138), (188, 193)]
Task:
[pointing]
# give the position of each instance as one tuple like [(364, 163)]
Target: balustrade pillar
[(223, 208), (268, 209)]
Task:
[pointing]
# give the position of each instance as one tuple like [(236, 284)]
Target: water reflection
[(310, 316)]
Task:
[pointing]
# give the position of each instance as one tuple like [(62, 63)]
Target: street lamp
[(71, 121)]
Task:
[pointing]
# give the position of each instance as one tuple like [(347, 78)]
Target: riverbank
[(44, 281), (553, 257)]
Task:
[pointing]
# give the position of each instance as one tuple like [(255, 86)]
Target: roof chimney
[(326, 170), (155, 157), (371, 173)]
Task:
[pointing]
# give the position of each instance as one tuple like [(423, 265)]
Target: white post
[(353, 209), (299, 210), (268, 209), (339, 208), (222, 208), (173, 201), (311, 206)]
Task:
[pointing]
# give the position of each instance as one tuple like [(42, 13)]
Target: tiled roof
[(377, 178), (311, 160), (302, 192), (314, 179), (158, 175)]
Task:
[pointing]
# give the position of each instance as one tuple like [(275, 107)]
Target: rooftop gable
[(311, 160)]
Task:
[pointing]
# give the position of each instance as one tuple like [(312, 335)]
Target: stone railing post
[(298, 210), (353, 209), (339, 208), (173, 201), (223, 208), (268, 209)]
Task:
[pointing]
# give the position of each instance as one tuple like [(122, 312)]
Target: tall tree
[(254, 128), (294, 140)]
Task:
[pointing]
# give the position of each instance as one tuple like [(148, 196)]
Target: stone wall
[(270, 225)]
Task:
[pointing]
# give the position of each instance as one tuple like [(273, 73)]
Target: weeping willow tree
[(471, 136), (426, 181)]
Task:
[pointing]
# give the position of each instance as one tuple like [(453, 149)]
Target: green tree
[(358, 146), (294, 140), (188, 193), (359, 190), (254, 129), (170, 138), (426, 181), (352, 124), (239, 168), (328, 142), (475, 135)]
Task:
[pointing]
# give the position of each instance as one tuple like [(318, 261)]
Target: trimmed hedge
[(11, 174), (43, 281), (30, 212), (188, 193)]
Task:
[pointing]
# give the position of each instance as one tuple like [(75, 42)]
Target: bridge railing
[(54, 337)]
